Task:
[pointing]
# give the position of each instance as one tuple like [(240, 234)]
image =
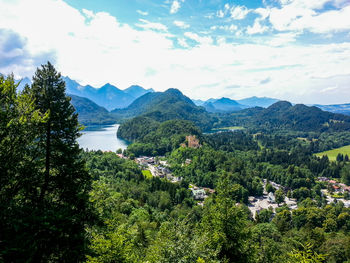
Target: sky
[(296, 50)]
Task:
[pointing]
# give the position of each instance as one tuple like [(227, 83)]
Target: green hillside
[(90, 113), (283, 115), (168, 105), (332, 154)]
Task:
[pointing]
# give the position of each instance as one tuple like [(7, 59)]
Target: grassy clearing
[(337, 195), (332, 154), (147, 174)]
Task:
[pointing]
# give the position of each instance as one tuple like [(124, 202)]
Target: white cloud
[(88, 13), (263, 12), (331, 21), (239, 12), (199, 39), (283, 39), (221, 40), (151, 25), (257, 28), (96, 48), (220, 13), (299, 15), (143, 13), (231, 28), (181, 24), (235, 12), (182, 42), (175, 6)]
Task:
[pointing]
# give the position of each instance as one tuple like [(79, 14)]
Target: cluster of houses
[(120, 155), (267, 200), (145, 161), (337, 187), (158, 168), (200, 193)]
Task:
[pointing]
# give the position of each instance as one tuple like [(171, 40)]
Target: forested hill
[(89, 112), (283, 115), (168, 105)]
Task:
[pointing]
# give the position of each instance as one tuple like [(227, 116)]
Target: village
[(159, 167), (335, 191)]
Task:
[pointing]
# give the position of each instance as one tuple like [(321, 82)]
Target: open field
[(332, 154), (147, 174)]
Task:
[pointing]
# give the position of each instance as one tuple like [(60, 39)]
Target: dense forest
[(62, 204)]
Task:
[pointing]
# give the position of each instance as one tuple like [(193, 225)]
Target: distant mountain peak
[(137, 91), (227, 101), (108, 85), (258, 101), (222, 105)]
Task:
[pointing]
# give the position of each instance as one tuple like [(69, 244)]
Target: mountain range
[(223, 105), (112, 98), (236, 104), (108, 95), (338, 108), (283, 115)]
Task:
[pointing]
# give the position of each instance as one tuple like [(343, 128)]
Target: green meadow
[(332, 154), (147, 174)]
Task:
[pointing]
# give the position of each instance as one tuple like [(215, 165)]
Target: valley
[(173, 172), (174, 131)]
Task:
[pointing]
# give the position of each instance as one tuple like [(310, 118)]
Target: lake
[(102, 138)]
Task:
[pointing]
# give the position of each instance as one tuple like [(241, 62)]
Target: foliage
[(157, 138), (45, 183), (59, 204), (306, 255)]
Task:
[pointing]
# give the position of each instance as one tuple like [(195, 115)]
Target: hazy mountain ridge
[(136, 100), (283, 114), (336, 108), (108, 96), (223, 105), (243, 103), (137, 91), (258, 101)]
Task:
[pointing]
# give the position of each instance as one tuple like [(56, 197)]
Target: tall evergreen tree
[(63, 198), (44, 182)]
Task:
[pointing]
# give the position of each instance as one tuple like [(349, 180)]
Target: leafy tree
[(227, 225), (264, 216), (269, 188), (279, 196), (18, 170), (345, 174), (283, 221), (306, 255), (268, 242)]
